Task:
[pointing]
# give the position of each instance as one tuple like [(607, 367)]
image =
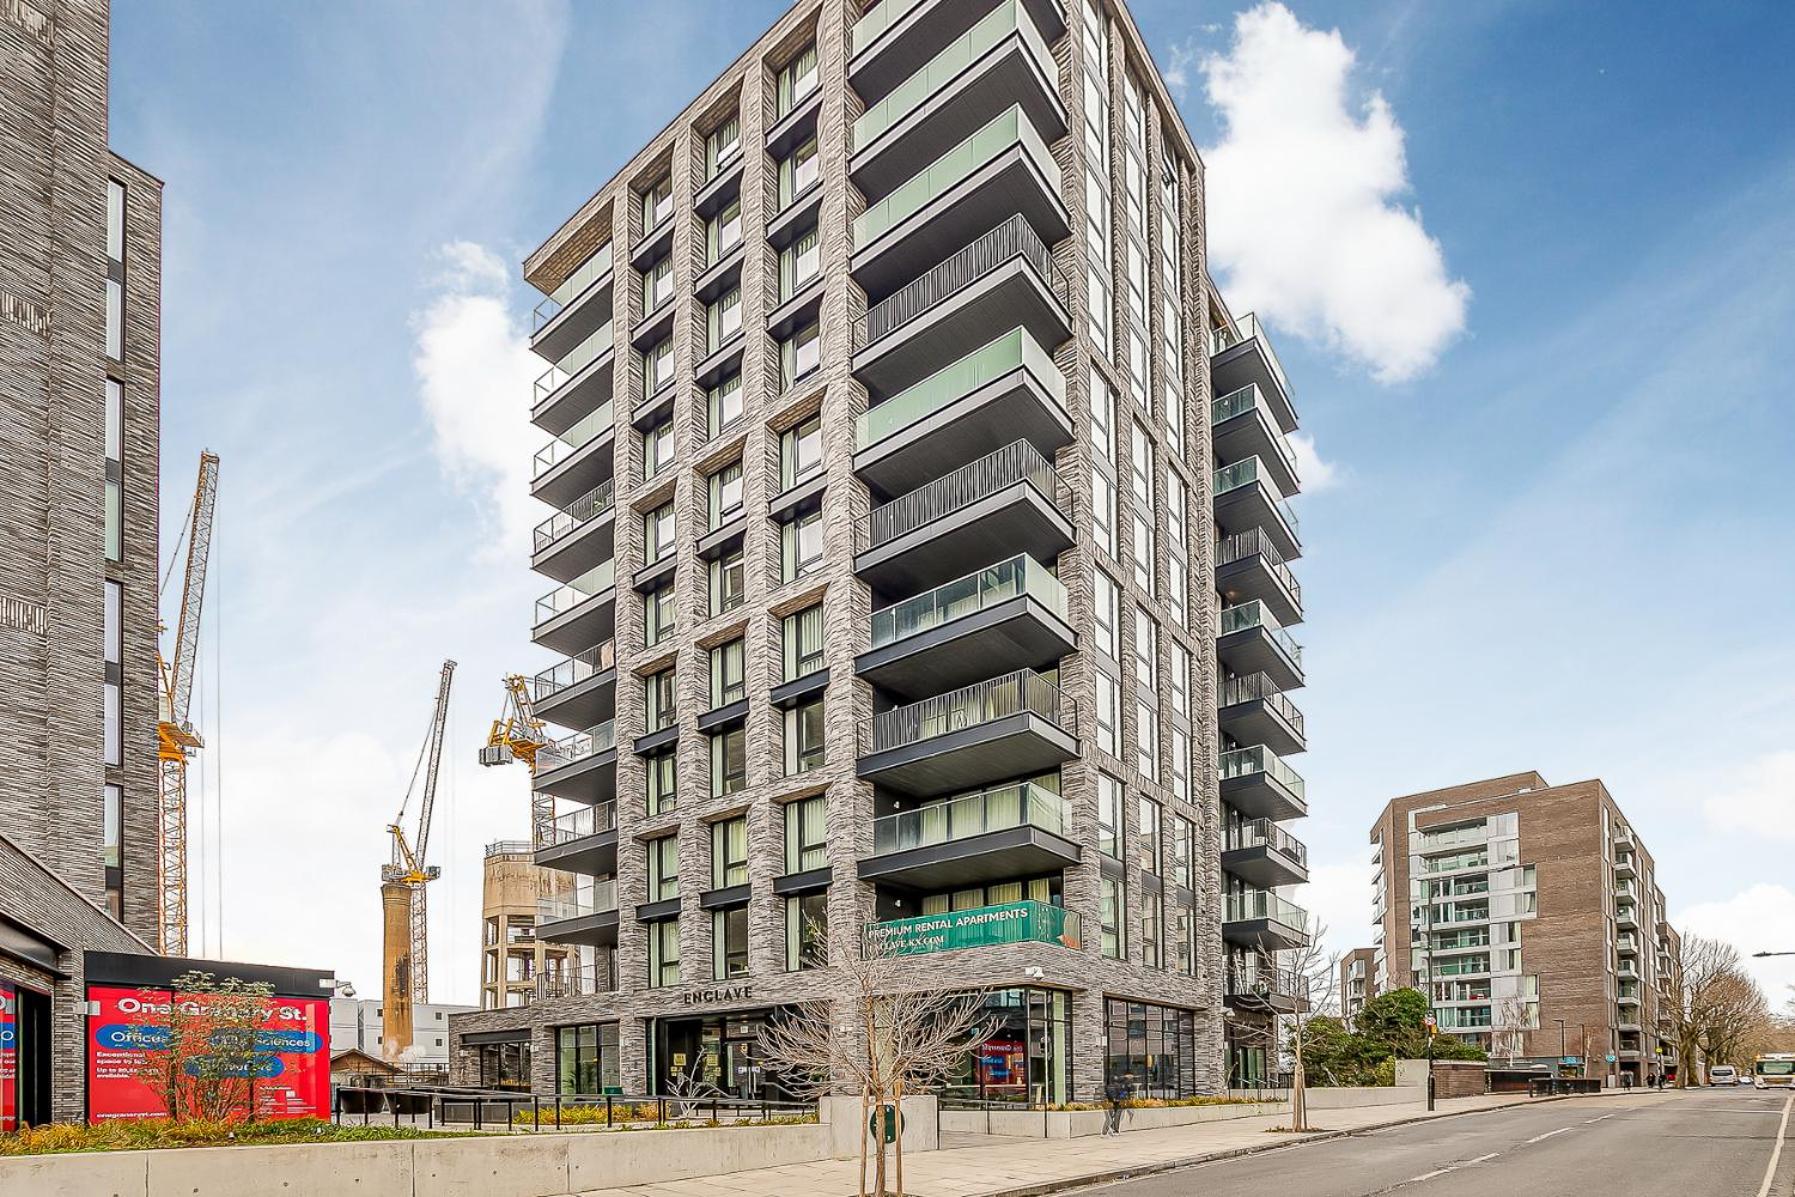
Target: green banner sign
[(981, 926)]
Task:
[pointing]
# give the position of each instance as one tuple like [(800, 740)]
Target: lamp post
[(1560, 1023), (1765, 955)]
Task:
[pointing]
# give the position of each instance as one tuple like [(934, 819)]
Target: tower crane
[(517, 734), (402, 881), (176, 741)]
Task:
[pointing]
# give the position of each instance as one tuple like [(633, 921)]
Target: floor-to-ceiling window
[(1151, 1047), (1027, 1058), (586, 1059)]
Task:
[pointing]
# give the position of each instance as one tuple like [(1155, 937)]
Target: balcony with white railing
[(581, 767), (894, 39), (1255, 782), (577, 384), (584, 912), (1250, 640), (1012, 830), (583, 840), (1263, 920), (578, 613), (580, 690), (1243, 356), (1247, 498), (1263, 854), (577, 538), (1008, 501), (1008, 726), (569, 313), (1242, 424), (575, 461), (1255, 710)]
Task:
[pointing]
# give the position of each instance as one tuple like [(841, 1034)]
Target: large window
[(1103, 512), (115, 469), (659, 528), (1184, 851), (657, 366), (586, 1060), (657, 449), (727, 682), (1027, 1055), (1147, 841), (657, 288), (663, 954), (804, 737), (800, 452), (798, 79), (801, 637), (660, 700), (1152, 930), (505, 1065), (729, 852), (723, 146), (723, 232), (659, 615), (1146, 652), (1112, 906), (1109, 816), (114, 739), (723, 404), (800, 546), (799, 263), (800, 354), (723, 318), (726, 580), (657, 203), (806, 834), (725, 494), (729, 761), (798, 171), (1108, 612), (807, 931), (1109, 714), (663, 782), (729, 943), (1153, 1047), (663, 868)]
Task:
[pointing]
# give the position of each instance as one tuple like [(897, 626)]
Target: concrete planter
[(1076, 1124)]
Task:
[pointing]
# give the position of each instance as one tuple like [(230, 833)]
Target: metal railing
[(1250, 328), (575, 669), (1263, 833), (582, 822), (1014, 238), (1256, 687), (1008, 129), (590, 896), (509, 848), (1014, 350), (1244, 762), (578, 980), (563, 599), (584, 275), (1021, 805), (993, 584), (578, 746), (588, 429), (1263, 904), (519, 1111), (1023, 691), (1245, 399), (1243, 616), (1263, 981), (1255, 543), (1016, 462), (576, 514), (575, 360), (1246, 472)]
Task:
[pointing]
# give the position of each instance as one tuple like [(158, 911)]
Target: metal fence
[(576, 514), (1016, 462), (504, 1110), (969, 706), (1014, 238)]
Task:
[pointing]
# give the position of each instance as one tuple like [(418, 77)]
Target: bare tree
[(1714, 1006), (893, 1041), (1740, 1015), (1310, 975), (1510, 1036)]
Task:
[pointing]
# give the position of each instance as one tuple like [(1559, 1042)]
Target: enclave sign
[(723, 993)]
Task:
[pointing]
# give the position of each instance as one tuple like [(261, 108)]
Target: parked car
[(1723, 1074)]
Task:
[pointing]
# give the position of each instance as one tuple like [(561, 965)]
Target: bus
[(1774, 1070)]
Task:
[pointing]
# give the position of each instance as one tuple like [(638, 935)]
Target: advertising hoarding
[(9, 1057)]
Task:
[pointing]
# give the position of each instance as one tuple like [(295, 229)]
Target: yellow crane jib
[(517, 734)]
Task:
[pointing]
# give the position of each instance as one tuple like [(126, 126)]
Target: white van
[(1723, 1074)]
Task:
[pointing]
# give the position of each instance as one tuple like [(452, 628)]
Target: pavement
[(998, 1166)]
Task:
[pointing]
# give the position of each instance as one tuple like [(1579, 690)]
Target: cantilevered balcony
[(582, 913), (1250, 641), (575, 309), (581, 767), (1003, 282), (1627, 916), (578, 537), (978, 927), (1253, 710), (1261, 853), (579, 691), (1259, 785), (1242, 424), (897, 38), (576, 460), (1002, 169), (1007, 502), (1243, 356), (583, 840), (580, 613), (1009, 726), (1015, 830), (1264, 921), (1263, 987), (1000, 61), (1246, 498), (1249, 568), (989, 622), (577, 384)]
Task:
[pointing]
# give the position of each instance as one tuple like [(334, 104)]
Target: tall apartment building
[(913, 587), (80, 297), (515, 964), (1530, 915)]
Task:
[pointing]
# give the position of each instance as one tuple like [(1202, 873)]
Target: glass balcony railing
[(1016, 462), (590, 896), (573, 440), (1244, 762), (1254, 615), (1014, 350), (1256, 687), (1245, 399), (1263, 833), (577, 359), (1246, 472), (578, 746), (877, 20), (977, 927), (1010, 128), (575, 669), (1255, 543), (1263, 904), (1462, 966), (576, 514), (1022, 805), (1023, 691), (583, 276), (963, 596), (1458, 860), (586, 821), (563, 599), (909, 95), (1250, 328)]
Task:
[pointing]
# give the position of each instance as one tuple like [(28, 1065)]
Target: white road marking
[(1549, 1134), (1776, 1153), (1603, 1118), (1415, 1180), (1484, 1158)]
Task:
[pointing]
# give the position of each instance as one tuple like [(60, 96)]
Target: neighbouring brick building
[(80, 327), (1531, 915), (1358, 981), (917, 518)]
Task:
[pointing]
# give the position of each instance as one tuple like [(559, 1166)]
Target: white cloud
[(1758, 919), (475, 372), (1757, 798), (1301, 202), (1314, 473)]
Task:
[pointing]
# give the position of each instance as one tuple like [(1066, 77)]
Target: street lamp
[(1763, 955)]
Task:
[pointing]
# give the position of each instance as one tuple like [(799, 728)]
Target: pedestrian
[(1115, 1093)]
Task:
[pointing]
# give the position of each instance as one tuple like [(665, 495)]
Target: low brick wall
[(1460, 1078)]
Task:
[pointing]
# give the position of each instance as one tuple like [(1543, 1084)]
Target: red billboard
[(9, 1057), (128, 1028)]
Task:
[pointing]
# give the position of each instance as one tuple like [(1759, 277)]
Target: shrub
[(154, 1133)]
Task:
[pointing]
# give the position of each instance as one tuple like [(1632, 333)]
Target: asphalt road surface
[(1699, 1143)]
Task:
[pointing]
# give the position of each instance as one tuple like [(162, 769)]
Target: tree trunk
[(879, 1146), (865, 1116), (1299, 1101), (897, 1143)]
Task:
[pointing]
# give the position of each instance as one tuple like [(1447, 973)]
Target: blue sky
[(1553, 522)]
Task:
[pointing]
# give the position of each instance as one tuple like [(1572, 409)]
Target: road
[(1700, 1143)]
